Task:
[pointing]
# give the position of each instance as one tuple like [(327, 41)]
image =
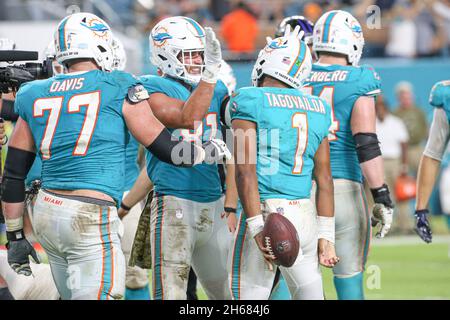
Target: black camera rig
[(13, 76)]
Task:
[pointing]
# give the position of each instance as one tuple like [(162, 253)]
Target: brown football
[(281, 238)]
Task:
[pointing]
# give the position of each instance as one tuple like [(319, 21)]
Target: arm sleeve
[(439, 135), (370, 83), (437, 93), (19, 106), (154, 84)]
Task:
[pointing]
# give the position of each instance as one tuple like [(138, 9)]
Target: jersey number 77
[(54, 105)]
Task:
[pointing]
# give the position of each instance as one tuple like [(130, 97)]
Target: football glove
[(213, 57), (18, 251), (215, 151), (382, 211), (422, 225)]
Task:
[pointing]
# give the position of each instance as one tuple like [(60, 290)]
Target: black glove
[(422, 225), (18, 251), (382, 211), (383, 196)]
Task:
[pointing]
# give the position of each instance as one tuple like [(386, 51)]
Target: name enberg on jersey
[(323, 76)]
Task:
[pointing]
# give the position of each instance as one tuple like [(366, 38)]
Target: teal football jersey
[(77, 124), (440, 96), (341, 86), (131, 164), (200, 183), (290, 127), (35, 172)]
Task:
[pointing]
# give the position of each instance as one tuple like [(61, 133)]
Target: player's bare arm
[(231, 196), (140, 189), (150, 132), (325, 205), (363, 126), (363, 121), (429, 169), (175, 113), (247, 181)]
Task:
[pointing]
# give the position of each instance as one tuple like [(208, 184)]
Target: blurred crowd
[(393, 28)]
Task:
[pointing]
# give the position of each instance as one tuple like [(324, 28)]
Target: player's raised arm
[(21, 155), (150, 132), (369, 156), (325, 205)]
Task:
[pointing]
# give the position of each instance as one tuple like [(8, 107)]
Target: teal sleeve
[(244, 105), (370, 83), (220, 91), (124, 81), (437, 93), (19, 103), (154, 84)]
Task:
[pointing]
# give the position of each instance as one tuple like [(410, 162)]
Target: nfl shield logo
[(280, 210)]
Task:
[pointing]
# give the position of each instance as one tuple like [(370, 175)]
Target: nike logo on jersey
[(67, 85)]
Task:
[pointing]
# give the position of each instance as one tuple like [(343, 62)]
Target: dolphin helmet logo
[(96, 26)]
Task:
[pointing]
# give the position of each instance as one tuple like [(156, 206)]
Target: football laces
[(269, 246)]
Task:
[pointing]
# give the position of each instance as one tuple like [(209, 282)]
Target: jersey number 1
[(54, 105), (300, 122)]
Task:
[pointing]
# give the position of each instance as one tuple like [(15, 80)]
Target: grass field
[(403, 268), (410, 270)]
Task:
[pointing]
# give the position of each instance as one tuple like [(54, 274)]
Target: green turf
[(418, 271)]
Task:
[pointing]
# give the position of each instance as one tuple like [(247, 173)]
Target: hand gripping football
[(281, 238)]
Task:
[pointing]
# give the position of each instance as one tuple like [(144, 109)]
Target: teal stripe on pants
[(237, 252)]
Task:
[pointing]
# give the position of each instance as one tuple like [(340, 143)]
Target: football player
[(186, 224), (275, 175), (432, 156), (354, 148), (77, 122)]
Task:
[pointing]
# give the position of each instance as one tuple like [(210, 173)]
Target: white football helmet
[(170, 39), (286, 59), (227, 76), (84, 35), (120, 56), (338, 31)]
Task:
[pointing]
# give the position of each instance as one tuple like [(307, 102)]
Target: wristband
[(15, 235), (420, 212), (255, 224), (124, 207), (229, 210), (326, 228)]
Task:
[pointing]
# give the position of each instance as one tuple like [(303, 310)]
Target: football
[(281, 239)]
